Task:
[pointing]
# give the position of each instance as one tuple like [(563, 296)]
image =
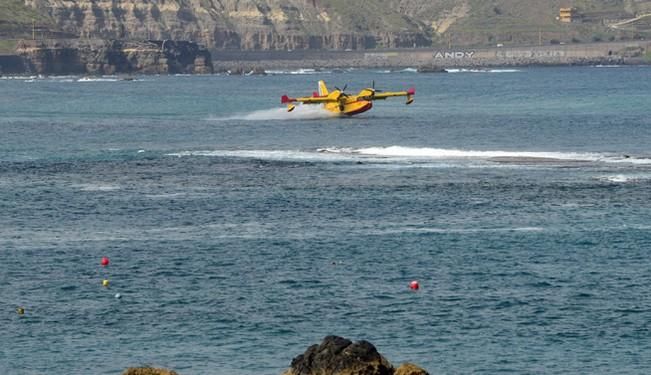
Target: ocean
[(240, 234)]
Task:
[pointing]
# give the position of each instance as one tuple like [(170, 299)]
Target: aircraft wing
[(383, 95), (307, 100)]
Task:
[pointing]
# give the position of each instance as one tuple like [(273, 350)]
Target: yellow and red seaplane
[(339, 102)]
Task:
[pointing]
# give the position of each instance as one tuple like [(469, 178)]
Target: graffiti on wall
[(449, 55)]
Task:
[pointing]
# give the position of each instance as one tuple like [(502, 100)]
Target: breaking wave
[(98, 79), (416, 155), (275, 155), (297, 72), (625, 178), (426, 153), (482, 70)]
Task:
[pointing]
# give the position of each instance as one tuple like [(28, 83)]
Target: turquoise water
[(240, 234)]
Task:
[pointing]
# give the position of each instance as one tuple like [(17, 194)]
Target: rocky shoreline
[(99, 57), (333, 356)]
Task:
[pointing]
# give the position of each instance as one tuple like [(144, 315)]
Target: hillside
[(327, 24)]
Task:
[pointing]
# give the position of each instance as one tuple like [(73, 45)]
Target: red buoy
[(105, 261), (414, 285)]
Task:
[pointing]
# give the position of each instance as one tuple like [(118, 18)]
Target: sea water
[(240, 234)]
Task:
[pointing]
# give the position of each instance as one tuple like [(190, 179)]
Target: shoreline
[(620, 53), (182, 57)]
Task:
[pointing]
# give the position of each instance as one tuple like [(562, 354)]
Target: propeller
[(342, 94), (373, 87)]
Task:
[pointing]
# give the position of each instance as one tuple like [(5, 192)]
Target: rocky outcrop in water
[(339, 356), (112, 56)]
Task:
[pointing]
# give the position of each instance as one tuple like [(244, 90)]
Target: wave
[(86, 79), (424, 155), (19, 78), (297, 72), (66, 79), (275, 155), (96, 187), (482, 70), (625, 178), (301, 112), (499, 156), (441, 153)]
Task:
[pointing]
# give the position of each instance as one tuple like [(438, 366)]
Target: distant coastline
[(617, 53), (173, 57)]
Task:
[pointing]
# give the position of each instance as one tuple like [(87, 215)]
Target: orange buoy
[(414, 285), (105, 261)]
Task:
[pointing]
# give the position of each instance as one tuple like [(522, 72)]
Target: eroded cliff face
[(243, 24), (113, 56), (334, 24)]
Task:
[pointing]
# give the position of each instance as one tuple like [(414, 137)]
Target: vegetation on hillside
[(17, 20)]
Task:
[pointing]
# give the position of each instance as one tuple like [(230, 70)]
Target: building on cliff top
[(567, 14)]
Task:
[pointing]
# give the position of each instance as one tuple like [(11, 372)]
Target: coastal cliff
[(112, 56), (239, 24), (336, 24)]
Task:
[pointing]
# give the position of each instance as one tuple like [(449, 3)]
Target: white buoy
[(118, 296)]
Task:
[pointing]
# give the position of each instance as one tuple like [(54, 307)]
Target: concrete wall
[(596, 53)]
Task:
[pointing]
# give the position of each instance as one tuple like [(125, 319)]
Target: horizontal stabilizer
[(286, 99)]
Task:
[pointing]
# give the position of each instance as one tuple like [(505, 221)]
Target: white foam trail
[(301, 112)]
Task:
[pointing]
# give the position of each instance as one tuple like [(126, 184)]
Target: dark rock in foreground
[(431, 69), (339, 356)]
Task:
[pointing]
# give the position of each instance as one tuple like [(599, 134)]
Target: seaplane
[(339, 102)]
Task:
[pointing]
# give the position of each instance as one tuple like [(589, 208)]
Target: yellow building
[(566, 14)]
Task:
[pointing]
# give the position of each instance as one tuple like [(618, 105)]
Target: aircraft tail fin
[(286, 99), (323, 89)]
